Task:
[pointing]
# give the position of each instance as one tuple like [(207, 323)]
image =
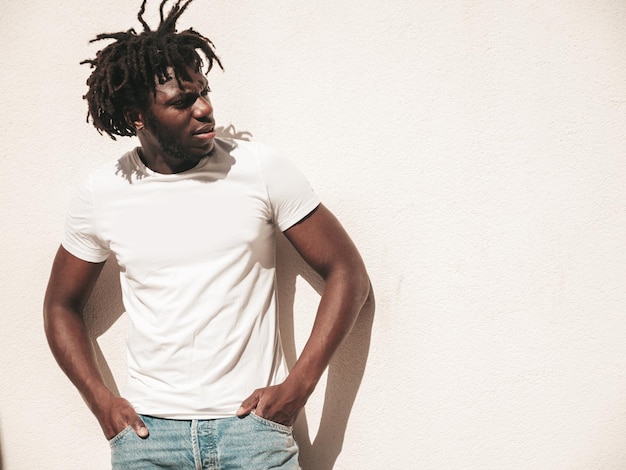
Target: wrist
[(304, 383), (98, 398)]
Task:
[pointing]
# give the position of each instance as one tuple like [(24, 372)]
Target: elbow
[(50, 307), (54, 316), (359, 283), (365, 288), (47, 309), (49, 317)]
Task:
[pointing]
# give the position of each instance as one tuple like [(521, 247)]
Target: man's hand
[(279, 403), (116, 414)]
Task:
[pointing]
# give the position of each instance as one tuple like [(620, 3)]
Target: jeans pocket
[(280, 427), (115, 439)]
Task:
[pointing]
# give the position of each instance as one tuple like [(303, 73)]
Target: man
[(191, 220)]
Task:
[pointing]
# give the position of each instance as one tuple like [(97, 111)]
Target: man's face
[(179, 123)]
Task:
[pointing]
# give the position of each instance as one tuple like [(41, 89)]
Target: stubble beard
[(170, 145)]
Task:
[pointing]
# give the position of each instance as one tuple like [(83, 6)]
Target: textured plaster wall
[(476, 152)]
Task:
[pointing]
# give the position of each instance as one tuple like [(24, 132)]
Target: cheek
[(181, 123), (176, 127)]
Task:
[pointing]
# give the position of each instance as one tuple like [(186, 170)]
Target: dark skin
[(175, 133)]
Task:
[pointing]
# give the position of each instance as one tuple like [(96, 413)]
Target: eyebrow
[(185, 93)]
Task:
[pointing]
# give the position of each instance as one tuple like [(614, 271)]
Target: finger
[(249, 404), (139, 427)]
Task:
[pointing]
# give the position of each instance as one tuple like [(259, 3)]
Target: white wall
[(474, 149)]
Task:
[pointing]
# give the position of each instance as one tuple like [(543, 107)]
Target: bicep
[(71, 281), (324, 244)]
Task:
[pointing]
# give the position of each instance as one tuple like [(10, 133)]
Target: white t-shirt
[(196, 252)]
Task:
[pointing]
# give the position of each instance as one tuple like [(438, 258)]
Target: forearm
[(344, 295), (74, 352)]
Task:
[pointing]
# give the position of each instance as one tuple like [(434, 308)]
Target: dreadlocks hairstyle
[(126, 71)]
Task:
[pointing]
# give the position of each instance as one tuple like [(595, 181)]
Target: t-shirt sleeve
[(291, 196), (80, 237)]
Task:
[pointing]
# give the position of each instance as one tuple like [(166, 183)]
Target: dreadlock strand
[(179, 63), (169, 25), (142, 10), (161, 6), (144, 67), (159, 61), (198, 41)]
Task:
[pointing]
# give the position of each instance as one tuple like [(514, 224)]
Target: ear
[(135, 118)]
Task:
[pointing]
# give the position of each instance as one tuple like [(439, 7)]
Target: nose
[(202, 108)]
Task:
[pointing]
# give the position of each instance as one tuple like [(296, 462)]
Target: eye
[(184, 102), (206, 91)]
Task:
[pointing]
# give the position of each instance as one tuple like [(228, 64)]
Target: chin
[(202, 152), (195, 156)]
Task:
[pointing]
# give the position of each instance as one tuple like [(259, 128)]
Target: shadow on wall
[(230, 132), (345, 371)]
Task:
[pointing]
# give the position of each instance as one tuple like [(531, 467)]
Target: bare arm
[(326, 247), (71, 282)]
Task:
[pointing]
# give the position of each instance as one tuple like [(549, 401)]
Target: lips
[(208, 129)]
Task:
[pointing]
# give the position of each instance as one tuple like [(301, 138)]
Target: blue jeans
[(249, 443)]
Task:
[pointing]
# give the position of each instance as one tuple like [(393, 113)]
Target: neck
[(164, 165)]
